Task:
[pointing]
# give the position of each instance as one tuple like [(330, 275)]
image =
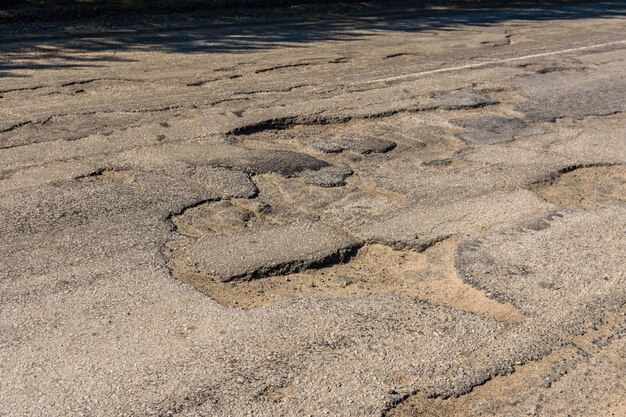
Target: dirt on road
[(398, 212)]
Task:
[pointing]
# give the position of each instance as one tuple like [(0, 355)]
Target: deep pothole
[(374, 269)]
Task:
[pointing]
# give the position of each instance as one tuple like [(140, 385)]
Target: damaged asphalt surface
[(388, 214)]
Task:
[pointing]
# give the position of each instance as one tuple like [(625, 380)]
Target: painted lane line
[(493, 62)]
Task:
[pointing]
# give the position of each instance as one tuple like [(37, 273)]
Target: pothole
[(375, 269), (588, 187), (359, 140), (501, 396), (531, 385), (227, 216), (111, 175), (554, 67)]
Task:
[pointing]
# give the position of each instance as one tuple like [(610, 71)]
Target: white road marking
[(493, 62)]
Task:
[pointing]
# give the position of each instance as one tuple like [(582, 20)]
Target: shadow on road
[(60, 49)]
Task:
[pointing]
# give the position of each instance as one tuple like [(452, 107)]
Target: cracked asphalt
[(391, 212)]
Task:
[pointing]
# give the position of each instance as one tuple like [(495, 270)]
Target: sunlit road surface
[(398, 213)]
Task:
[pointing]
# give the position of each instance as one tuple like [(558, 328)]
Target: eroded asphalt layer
[(386, 215)]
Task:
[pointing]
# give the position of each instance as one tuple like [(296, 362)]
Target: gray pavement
[(395, 214)]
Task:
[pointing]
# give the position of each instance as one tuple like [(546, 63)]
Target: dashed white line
[(493, 62)]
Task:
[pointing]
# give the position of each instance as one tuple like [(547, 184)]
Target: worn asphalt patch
[(494, 129)]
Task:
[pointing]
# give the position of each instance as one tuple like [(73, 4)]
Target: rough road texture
[(276, 250), (395, 212)]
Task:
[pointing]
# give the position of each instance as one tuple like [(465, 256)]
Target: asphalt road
[(399, 213)]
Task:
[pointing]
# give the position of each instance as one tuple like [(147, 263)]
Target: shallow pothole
[(531, 384), (227, 216), (111, 175), (588, 187)]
